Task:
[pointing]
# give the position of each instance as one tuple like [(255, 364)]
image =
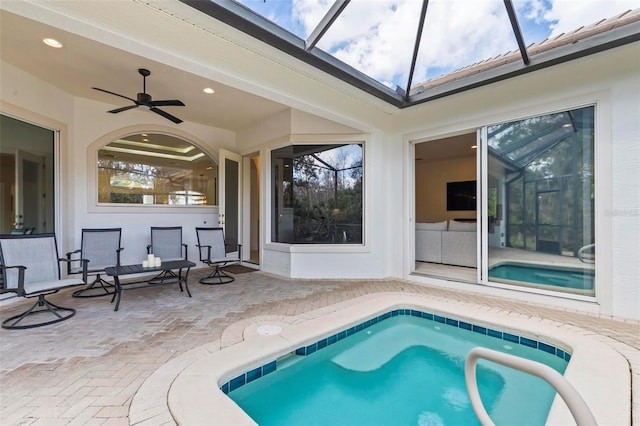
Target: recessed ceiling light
[(52, 42), (145, 135), (474, 146), (145, 140), (208, 90)]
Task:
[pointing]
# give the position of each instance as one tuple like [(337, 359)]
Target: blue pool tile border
[(271, 366)]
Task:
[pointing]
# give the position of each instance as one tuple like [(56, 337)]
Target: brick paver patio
[(87, 370)]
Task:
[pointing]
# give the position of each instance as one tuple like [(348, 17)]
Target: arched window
[(155, 169)]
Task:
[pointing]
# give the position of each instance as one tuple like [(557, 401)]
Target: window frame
[(318, 139), (93, 206), (598, 182), (601, 100)]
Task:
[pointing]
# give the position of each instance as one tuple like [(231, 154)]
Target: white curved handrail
[(582, 251), (579, 409)]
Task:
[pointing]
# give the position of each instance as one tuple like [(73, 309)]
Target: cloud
[(377, 37), (565, 16), (457, 35), (310, 13)]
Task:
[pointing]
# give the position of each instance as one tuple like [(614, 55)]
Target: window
[(546, 167), (155, 169), (317, 194)]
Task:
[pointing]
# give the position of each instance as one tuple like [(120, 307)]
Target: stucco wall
[(86, 126), (93, 128), (389, 180), (623, 212), (615, 92)]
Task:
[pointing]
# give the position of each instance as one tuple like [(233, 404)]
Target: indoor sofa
[(450, 243)]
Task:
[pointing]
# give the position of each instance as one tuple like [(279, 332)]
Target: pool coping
[(598, 372)]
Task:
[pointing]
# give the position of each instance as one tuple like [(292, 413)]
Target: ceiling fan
[(143, 100)]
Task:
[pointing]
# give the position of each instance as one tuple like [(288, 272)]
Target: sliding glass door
[(540, 202), (26, 177)]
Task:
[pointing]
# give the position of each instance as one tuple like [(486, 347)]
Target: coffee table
[(166, 276)]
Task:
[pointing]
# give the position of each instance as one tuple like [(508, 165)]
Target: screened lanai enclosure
[(317, 194), (541, 200)]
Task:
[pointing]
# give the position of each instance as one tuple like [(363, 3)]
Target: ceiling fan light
[(147, 107)]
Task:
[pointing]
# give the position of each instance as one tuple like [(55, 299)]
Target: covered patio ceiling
[(313, 42)]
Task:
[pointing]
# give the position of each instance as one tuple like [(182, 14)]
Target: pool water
[(404, 370), (581, 279)]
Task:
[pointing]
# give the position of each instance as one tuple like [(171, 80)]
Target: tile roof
[(534, 49)]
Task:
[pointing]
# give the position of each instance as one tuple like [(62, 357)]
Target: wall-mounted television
[(461, 195)]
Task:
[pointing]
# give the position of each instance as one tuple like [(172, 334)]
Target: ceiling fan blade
[(173, 102), (115, 94), (117, 110), (166, 115)]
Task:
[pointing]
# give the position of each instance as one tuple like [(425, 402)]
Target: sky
[(377, 37)]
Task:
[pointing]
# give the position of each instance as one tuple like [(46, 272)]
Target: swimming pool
[(599, 373), (402, 367), (544, 275)]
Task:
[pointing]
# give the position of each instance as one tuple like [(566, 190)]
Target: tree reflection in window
[(151, 168), (318, 194), (549, 167)]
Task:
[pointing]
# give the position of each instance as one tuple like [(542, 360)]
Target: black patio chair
[(101, 248), (213, 253), (31, 268), (166, 243)]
